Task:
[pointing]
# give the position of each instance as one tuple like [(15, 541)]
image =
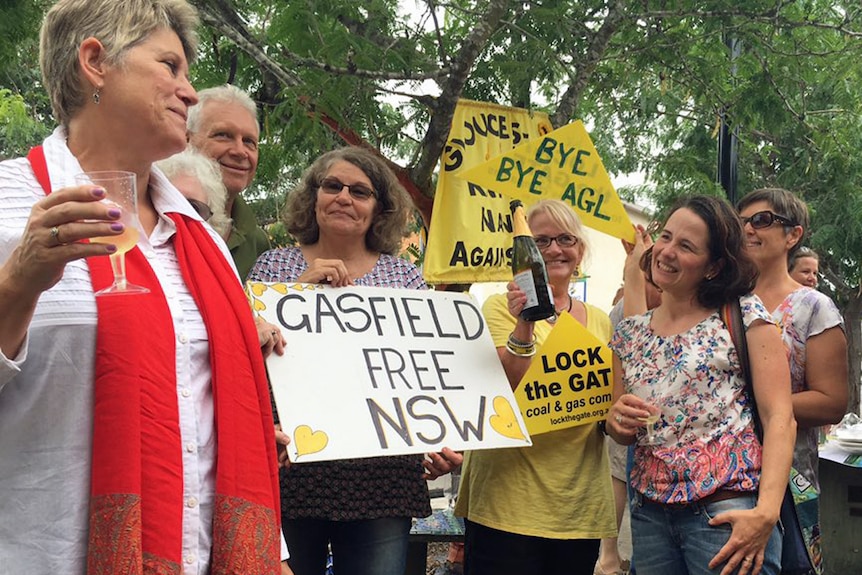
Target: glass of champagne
[(120, 191), (649, 424)]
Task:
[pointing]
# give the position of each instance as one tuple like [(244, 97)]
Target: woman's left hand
[(269, 336), (441, 463), (750, 532)]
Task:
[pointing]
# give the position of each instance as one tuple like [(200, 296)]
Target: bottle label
[(528, 286)]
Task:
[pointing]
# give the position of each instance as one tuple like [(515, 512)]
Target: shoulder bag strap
[(731, 314)]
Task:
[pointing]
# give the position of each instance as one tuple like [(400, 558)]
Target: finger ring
[(274, 333), (747, 560), (55, 235), (619, 418)]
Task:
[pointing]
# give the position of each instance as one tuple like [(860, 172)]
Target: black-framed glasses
[(563, 240), (202, 209), (764, 219), (357, 191)]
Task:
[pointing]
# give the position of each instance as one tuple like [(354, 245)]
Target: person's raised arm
[(634, 281), (515, 365)]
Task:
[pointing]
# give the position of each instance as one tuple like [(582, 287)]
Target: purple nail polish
[(98, 192), (110, 248), (118, 226), (114, 213)]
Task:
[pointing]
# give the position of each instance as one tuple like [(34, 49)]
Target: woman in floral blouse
[(706, 494)]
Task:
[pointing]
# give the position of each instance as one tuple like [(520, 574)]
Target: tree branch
[(598, 45), (451, 90)]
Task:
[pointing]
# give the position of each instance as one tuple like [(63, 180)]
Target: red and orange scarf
[(137, 476)]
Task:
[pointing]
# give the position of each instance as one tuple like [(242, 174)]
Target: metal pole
[(727, 139)]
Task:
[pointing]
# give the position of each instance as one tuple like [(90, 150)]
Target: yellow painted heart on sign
[(308, 441), (504, 421), (280, 288), (258, 305), (257, 288)]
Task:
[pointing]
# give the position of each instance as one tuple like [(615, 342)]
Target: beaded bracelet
[(518, 343), (521, 348), (521, 352)]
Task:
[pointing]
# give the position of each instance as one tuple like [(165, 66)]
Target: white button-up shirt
[(46, 392)]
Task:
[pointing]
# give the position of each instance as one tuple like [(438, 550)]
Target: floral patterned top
[(350, 489), (804, 313), (705, 439)]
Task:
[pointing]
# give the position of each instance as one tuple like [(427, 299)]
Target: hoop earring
[(97, 96)]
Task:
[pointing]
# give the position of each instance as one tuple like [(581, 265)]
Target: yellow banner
[(563, 165), (470, 236), (569, 382)]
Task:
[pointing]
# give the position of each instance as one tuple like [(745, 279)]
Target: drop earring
[(97, 96)]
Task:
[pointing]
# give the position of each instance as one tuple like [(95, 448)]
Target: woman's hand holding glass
[(52, 237), (120, 194), (628, 415)]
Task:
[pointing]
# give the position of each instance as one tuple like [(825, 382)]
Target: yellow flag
[(470, 236), (569, 382), (563, 165)]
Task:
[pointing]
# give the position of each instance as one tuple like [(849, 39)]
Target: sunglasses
[(202, 209), (357, 191), (764, 219), (563, 240)]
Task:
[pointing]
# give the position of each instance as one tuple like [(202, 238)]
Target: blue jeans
[(678, 540), (369, 547)]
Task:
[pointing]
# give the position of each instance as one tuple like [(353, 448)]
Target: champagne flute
[(120, 191), (649, 423)]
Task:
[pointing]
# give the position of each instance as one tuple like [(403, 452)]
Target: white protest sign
[(384, 371)]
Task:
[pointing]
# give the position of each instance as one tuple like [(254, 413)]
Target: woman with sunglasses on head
[(349, 214), (812, 328), (539, 510)]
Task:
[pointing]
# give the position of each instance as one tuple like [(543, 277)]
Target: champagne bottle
[(528, 268)]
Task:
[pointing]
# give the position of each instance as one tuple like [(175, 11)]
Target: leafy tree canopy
[(651, 77)]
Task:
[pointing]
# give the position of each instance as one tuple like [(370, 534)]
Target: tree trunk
[(853, 328)]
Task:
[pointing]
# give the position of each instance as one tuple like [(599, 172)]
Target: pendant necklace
[(559, 312)]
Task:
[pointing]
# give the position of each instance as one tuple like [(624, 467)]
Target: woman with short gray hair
[(198, 178), (122, 444)]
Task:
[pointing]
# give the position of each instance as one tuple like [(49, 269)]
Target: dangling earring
[(97, 96)]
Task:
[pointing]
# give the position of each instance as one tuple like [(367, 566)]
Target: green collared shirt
[(247, 240)]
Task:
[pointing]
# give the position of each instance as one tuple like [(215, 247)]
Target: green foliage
[(19, 131), (652, 93)]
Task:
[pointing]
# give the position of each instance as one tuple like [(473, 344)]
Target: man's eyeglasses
[(357, 191), (764, 219), (202, 209), (563, 240)]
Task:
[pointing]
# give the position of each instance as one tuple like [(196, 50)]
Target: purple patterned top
[(705, 439), (350, 489)]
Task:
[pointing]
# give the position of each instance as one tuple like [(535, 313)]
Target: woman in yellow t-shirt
[(541, 509)]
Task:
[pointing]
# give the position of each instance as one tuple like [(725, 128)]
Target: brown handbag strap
[(731, 314)]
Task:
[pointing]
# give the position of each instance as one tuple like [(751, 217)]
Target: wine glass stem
[(118, 264)]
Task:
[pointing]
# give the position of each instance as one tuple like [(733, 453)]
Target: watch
[(603, 426)]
